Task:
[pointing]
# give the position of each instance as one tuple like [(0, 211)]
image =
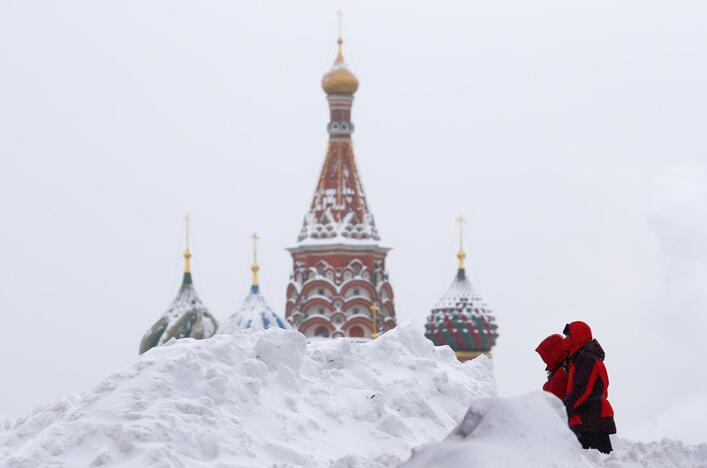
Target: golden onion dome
[(339, 80)]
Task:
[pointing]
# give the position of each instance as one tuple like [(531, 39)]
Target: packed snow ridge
[(258, 399), (269, 399)]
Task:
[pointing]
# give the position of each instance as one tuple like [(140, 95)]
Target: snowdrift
[(531, 431), (262, 399), (269, 399)]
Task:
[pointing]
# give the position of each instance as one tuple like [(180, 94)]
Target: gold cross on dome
[(461, 222), (255, 239), (187, 252), (340, 14), (187, 222)]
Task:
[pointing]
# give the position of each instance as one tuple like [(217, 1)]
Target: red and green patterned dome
[(462, 320)]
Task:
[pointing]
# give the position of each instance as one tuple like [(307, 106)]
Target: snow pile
[(269, 399), (531, 431), (258, 399)]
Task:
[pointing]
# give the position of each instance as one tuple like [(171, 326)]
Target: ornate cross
[(340, 14), (255, 239), (187, 222), (461, 222)]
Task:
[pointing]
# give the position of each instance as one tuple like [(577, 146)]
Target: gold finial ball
[(340, 81), (187, 254)]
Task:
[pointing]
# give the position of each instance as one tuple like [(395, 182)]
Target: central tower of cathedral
[(339, 271)]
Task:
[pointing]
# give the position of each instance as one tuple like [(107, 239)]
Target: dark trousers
[(595, 440)]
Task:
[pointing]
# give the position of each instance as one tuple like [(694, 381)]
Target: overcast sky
[(570, 135)]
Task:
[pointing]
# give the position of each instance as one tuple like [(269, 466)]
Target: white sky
[(572, 136)]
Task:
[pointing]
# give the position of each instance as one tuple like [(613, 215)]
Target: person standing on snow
[(553, 351), (590, 414)]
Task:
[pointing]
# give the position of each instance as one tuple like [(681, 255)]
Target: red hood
[(578, 334), (553, 351)]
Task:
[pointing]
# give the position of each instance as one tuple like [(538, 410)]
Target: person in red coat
[(553, 351), (590, 414)]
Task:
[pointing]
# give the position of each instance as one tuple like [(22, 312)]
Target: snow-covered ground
[(269, 399)]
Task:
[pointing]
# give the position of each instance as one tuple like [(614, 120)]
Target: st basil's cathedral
[(339, 284)]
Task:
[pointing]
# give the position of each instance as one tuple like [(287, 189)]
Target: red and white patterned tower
[(339, 269)]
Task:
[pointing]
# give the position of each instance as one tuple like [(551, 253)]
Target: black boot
[(596, 440)]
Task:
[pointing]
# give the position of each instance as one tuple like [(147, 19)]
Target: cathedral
[(339, 284)]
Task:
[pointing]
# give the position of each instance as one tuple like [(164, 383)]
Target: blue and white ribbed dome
[(254, 313)]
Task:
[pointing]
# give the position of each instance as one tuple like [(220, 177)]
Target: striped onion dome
[(461, 319), (187, 316)]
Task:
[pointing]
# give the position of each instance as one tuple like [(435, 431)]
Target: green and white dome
[(187, 317)]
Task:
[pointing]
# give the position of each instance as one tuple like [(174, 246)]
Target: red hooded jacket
[(588, 408), (553, 352)]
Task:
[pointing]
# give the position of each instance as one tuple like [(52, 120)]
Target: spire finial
[(461, 255), (187, 252), (340, 40), (255, 268)]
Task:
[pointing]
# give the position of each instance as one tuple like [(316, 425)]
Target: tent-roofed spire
[(339, 210), (338, 253)]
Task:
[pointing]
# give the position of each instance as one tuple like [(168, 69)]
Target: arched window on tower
[(322, 332)]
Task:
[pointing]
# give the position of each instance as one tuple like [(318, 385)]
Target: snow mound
[(531, 431), (257, 399)]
